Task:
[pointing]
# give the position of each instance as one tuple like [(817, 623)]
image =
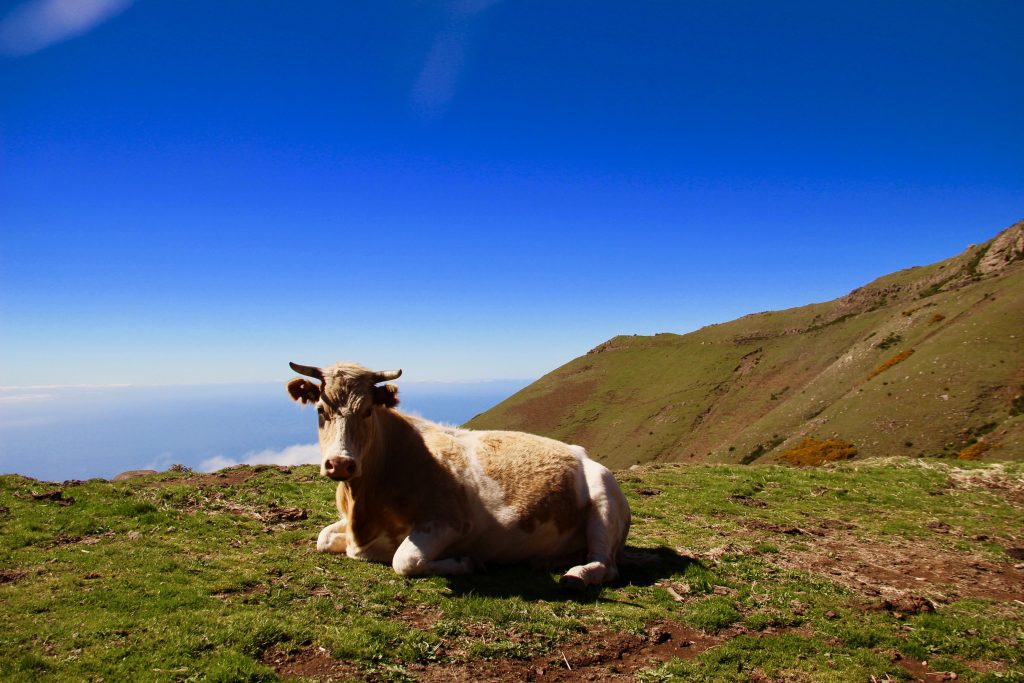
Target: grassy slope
[(769, 571), (750, 388)]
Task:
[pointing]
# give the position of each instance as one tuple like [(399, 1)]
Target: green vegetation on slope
[(854, 571), (924, 362)]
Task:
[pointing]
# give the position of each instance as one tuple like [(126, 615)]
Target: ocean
[(60, 433)]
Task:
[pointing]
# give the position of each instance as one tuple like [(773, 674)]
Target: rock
[(1008, 246), (132, 474)]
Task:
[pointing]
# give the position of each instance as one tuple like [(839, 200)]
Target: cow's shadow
[(638, 567)]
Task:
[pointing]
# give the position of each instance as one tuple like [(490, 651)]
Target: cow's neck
[(392, 454), (401, 484)]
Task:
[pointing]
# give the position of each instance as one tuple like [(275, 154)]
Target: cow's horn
[(386, 376), (307, 370)]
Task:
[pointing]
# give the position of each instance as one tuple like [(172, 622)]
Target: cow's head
[(344, 401)]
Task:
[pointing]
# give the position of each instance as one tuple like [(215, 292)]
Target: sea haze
[(59, 433)]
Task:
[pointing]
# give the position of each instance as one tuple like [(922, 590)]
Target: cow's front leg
[(333, 538), (418, 554)]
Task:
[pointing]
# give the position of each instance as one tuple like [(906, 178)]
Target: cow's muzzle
[(341, 468)]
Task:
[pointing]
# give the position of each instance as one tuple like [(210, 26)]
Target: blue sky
[(197, 192)]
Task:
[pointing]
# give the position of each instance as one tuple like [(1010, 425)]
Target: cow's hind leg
[(418, 555), (607, 526)]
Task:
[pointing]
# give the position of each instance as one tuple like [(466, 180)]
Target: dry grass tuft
[(812, 451), (898, 358), (976, 450)]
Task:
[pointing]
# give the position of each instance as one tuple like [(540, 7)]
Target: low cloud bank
[(300, 454)]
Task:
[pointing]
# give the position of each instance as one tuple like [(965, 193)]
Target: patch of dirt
[(992, 478), (749, 502), (985, 666), (902, 605), (213, 501), (605, 656), (596, 656), (311, 662), (12, 575), (287, 514), (826, 524), (229, 476), (71, 539), (54, 495), (648, 492), (780, 528), (255, 589), (919, 671), (270, 515), (420, 617), (901, 566)]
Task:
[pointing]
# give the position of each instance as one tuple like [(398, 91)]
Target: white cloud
[(37, 24), (300, 454), (439, 76), (26, 387), (26, 398)]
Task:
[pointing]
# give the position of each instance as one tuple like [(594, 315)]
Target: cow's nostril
[(340, 469)]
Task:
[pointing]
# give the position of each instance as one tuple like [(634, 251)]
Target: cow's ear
[(303, 391), (386, 395)]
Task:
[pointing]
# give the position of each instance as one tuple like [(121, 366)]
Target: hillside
[(928, 361), (891, 569)]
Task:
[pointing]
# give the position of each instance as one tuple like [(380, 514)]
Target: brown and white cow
[(434, 499)]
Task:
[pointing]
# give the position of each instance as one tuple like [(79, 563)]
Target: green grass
[(174, 577)]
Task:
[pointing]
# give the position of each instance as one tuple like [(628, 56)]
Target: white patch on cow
[(378, 549), (333, 538), (418, 554), (608, 522), (491, 506), (334, 446), (582, 485)]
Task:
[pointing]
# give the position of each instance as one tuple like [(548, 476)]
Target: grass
[(205, 578)]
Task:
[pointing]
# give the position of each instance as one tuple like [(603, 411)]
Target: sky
[(60, 433), (197, 192)]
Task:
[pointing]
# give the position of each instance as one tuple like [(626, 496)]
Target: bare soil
[(902, 566), (312, 662), (605, 656)]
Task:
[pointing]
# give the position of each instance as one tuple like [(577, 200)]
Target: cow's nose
[(340, 468)]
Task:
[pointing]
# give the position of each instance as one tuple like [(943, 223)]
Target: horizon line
[(129, 385)]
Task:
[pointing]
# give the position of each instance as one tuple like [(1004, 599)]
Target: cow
[(432, 499)]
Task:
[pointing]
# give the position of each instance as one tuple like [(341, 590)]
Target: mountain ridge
[(925, 361)]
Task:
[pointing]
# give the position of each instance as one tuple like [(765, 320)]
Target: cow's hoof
[(572, 583)]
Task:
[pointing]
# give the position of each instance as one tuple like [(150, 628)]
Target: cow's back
[(528, 494), (542, 479)]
